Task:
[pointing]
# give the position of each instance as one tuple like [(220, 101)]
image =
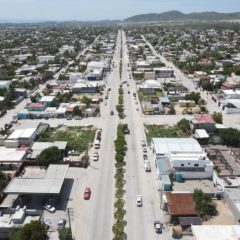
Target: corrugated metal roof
[(180, 204)]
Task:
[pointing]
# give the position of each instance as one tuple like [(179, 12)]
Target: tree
[(193, 96), (86, 100), (184, 125), (50, 155), (230, 136), (64, 234), (30, 231), (77, 111), (217, 117), (202, 201)]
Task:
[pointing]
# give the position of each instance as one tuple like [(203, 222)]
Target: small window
[(196, 165), (189, 163), (182, 165)]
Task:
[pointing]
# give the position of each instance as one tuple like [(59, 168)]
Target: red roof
[(37, 104), (228, 85), (204, 118)]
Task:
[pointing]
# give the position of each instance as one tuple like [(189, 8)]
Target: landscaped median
[(120, 106), (119, 211)]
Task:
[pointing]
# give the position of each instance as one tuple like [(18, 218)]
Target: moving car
[(158, 227), (139, 200), (95, 156), (87, 193), (147, 166), (49, 208), (143, 143), (112, 113), (144, 149), (128, 92)]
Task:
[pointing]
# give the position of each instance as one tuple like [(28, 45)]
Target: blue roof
[(164, 100)]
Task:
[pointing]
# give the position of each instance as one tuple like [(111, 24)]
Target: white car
[(95, 156), (139, 200), (49, 208)]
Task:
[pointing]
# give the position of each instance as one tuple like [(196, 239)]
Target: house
[(36, 106), (182, 155), (204, 121), (165, 102), (23, 136), (149, 87), (232, 106), (47, 100), (38, 147), (163, 72)]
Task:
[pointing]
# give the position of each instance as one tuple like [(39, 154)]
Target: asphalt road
[(139, 219)]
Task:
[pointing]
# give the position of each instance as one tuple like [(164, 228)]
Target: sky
[(85, 10)]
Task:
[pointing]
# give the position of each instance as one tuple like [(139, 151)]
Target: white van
[(147, 166), (97, 144)]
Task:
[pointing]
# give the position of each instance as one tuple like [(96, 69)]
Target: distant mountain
[(176, 15)]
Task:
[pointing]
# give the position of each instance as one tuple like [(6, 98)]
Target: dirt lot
[(224, 216)]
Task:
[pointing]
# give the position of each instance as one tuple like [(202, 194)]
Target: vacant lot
[(77, 137), (163, 131), (224, 217)]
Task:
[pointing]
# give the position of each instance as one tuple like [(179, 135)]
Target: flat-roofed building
[(23, 136), (183, 155), (50, 184), (218, 232)]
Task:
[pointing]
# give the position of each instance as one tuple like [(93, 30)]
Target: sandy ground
[(224, 217)]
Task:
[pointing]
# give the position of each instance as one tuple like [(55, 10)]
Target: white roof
[(201, 133), (184, 145), (22, 133), (50, 183), (218, 232), (235, 102), (47, 99), (11, 154)]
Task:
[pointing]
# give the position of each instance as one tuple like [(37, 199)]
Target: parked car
[(87, 193), (49, 208), (139, 200), (128, 92), (158, 227), (137, 109), (69, 117), (7, 126), (73, 153), (112, 113), (95, 156), (78, 118)]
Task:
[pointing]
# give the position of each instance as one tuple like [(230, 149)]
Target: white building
[(5, 84), (232, 106), (231, 94), (66, 48), (23, 136), (218, 232), (75, 76), (183, 155), (46, 58), (97, 65), (149, 87)]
